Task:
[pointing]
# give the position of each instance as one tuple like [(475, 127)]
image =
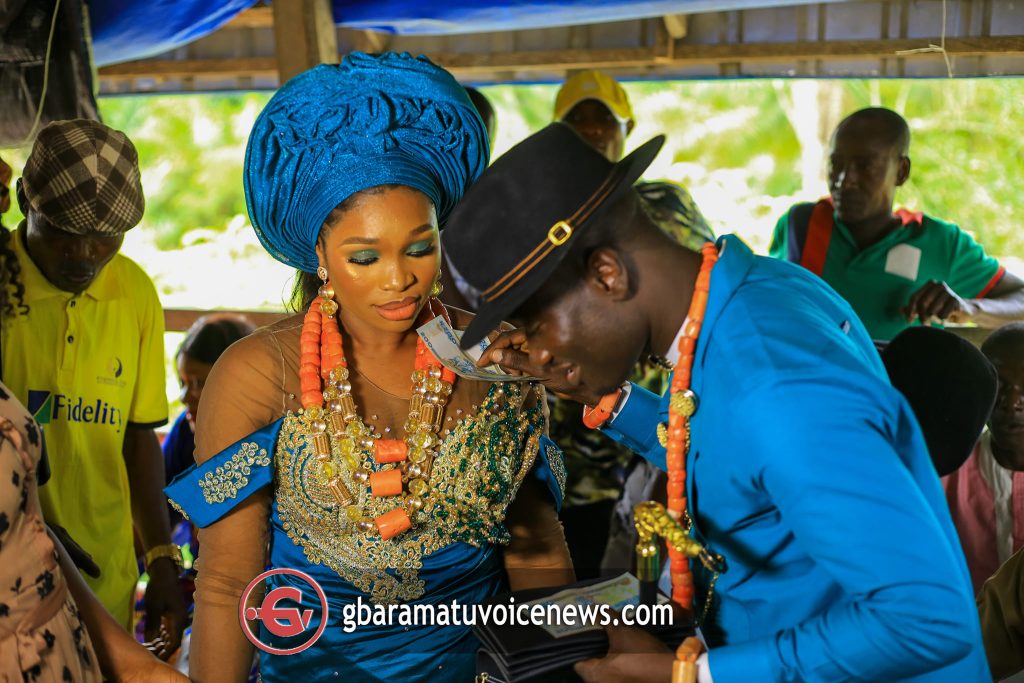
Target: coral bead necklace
[(675, 437), (330, 418)]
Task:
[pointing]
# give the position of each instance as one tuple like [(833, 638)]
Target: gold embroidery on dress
[(478, 471), (178, 508), (231, 477), (557, 463)]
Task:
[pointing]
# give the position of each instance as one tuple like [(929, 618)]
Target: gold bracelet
[(167, 550)]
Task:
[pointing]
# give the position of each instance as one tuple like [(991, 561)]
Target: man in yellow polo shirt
[(87, 359)]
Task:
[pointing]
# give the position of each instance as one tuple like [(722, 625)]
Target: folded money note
[(443, 342)]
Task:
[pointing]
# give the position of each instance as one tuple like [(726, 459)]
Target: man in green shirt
[(896, 268)]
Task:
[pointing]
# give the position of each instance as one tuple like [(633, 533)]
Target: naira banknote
[(443, 342), (615, 593)]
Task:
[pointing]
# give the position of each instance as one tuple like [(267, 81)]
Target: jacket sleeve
[(636, 425), (844, 469)]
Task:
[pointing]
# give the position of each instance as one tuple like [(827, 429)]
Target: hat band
[(558, 235)]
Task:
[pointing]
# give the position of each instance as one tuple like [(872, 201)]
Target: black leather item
[(529, 654)]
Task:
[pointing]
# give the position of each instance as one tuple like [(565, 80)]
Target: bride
[(334, 442)]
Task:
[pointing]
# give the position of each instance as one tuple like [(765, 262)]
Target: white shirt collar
[(672, 355)]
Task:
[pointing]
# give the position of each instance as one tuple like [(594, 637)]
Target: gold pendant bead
[(326, 472), (365, 525), (361, 475), (428, 413), (414, 503), (326, 291), (340, 492), (418, 487), (339, 374), (683, 403), (321, 445), (336, 425), (329, 307), (354, 513), (428, 463), (413, 471), (348, 407), (434, 371)]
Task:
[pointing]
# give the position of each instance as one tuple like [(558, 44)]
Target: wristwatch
[(167, 550)]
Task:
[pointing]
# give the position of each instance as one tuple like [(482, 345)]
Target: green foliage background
[(745, 149), (731, 142)]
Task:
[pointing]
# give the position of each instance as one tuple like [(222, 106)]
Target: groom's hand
[(511, 351)]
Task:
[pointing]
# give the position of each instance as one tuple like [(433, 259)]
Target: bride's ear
[(320, 256)]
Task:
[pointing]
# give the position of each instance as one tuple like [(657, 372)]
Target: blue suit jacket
[(808, 472)]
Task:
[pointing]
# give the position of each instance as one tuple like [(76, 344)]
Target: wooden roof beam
[(375, 41), (180, 319), (540, 60), (304, 36), (178, 68), (255, 17), (547, 60)]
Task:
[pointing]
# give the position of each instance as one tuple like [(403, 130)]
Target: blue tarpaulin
[(133, 29), (123, 30)]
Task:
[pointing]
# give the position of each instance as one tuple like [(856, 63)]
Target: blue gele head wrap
[(338, 129)]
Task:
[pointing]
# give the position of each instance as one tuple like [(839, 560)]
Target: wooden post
[(676, 25), (304, 35)]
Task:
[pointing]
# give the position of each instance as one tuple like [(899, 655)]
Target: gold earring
[(328, 306), (436, 289)]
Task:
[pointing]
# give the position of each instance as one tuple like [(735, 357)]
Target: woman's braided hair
[(10, 283)]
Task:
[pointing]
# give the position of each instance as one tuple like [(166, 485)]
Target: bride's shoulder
[(260, 354)]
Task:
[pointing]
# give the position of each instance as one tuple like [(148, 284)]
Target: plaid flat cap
[(83, 177)]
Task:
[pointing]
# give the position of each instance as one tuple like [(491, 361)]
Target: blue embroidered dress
[(451, 554)]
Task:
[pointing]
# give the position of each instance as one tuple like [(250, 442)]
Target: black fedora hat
[(519, 220)]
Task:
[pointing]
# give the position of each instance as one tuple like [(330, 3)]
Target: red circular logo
[(285, 622)]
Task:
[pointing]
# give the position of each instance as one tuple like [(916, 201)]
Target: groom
[(806, 470)]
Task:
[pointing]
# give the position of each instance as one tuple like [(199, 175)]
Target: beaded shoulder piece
[(477, 472)]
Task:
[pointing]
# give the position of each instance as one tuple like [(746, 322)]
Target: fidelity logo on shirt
[(47, 407), (116, 369)]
